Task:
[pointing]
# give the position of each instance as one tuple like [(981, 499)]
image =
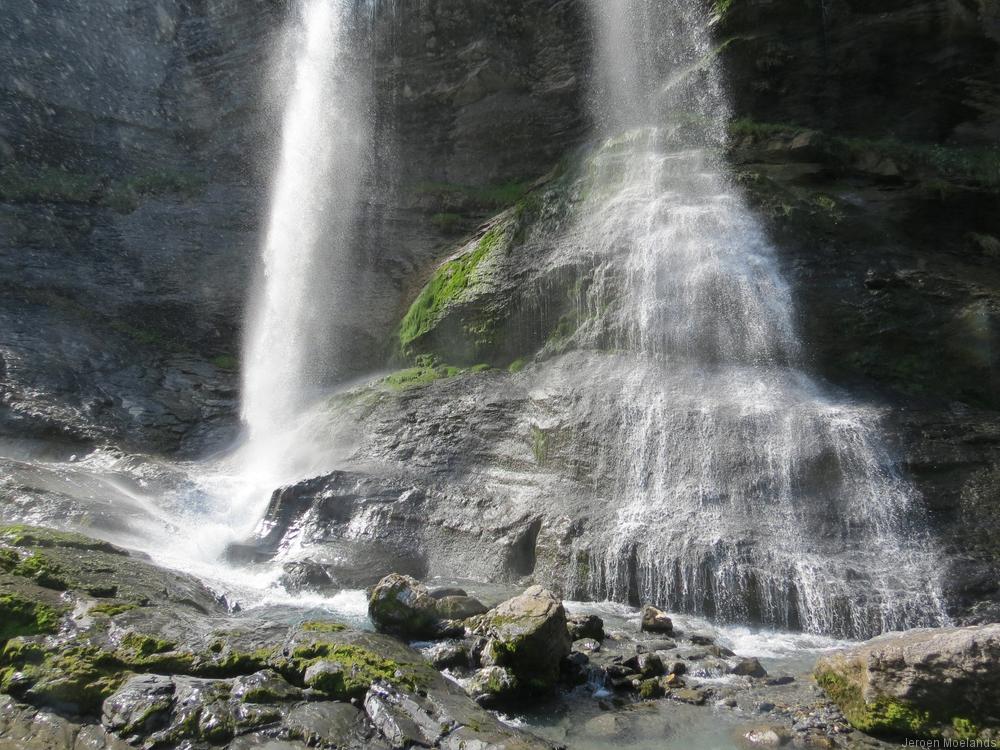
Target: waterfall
[(743, 490), (291, 344)]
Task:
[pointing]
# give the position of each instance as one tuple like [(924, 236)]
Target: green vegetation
[(426, 371), (722, 7), (111, 609), (358, 669), (21, 184), (20, 616), (20, 535), (884, 715), (517, 365), (446, 287), (226, 362), (317, 626)]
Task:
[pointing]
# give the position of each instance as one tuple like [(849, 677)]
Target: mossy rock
[(919, 684), (528, 636), (402, 606)]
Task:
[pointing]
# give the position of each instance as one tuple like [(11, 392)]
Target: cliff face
[(137, 145)]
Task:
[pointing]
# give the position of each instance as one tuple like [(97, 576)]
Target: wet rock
[(440, 592), (585, 626), (450, 655), (266, 686), (445, 717), (141, 706), (307, 575), (648, 665), (400, 605), (327, 723), (919, 682), (458, 607), (785, 679), (765, 736), (701, 640), (656, 621), (492, 686), (694, 696), (663, 644), (651, 688), (587, 645), (528, 636), (748, 668)]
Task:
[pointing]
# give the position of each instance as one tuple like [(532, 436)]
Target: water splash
[(744, 491)]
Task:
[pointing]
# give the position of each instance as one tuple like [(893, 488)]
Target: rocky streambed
[(103, 649)]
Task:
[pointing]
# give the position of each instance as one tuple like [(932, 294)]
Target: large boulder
[(528, 636), (402, 606), (920, 683)]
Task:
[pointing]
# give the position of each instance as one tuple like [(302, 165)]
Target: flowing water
[(291, 348), (744, 490)]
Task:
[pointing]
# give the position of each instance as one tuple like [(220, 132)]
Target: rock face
[(528, 636), (920, 683)]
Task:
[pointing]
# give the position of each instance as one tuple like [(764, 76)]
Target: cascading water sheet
[(743, 490)]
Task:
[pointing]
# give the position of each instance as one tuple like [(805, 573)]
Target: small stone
[(748, 668), (585, 626), (765, 736), (656, 621), (649, 689), (701, 640), (587, 645), (689, 695)]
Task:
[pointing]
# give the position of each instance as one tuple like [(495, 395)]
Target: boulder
[(401, 606), (919, 683), (585, 626), (528, 636), (656, 621), (458, 607), (748, 668), (492, 686)]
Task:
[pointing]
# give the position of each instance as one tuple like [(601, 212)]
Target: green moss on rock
[(352, 670), (322, 626), (20, 616), (449, 283)]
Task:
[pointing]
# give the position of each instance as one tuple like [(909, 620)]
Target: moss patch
[(322, 626), (844, 682), (20, 535), (20, 616), (426, 372), (446, 287), (359, 668), (111, 609)]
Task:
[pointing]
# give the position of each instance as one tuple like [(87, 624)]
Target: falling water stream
[(745, 491)]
